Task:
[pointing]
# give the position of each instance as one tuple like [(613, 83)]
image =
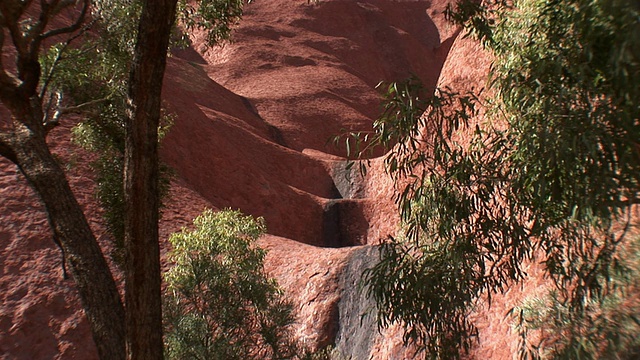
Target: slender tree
[(143, 278), (23, 141), (36, 102)]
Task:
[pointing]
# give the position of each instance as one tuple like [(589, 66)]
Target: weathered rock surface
[(254, 120)]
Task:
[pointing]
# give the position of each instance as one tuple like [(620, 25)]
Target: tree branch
[(51, 71), (72, 28), (11, 12), (25, 42), (59, 110), (55, 119), (76, 108), (6, 80)]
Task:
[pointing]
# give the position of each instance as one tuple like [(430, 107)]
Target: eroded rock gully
[(253, 121)]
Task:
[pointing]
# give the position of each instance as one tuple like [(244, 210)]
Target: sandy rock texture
[(255, 120)]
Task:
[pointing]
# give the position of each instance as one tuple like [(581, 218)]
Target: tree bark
[(96, 286), (23, 141), (143, 281)]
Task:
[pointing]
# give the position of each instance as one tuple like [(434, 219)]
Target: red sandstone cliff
[(254, 121)]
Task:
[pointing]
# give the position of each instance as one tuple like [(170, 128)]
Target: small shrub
[(219, 303)]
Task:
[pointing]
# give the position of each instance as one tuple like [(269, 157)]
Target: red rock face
[(295, 76), (254, 123)]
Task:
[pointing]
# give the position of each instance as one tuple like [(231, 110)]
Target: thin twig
[(59, 57), (72, 28)]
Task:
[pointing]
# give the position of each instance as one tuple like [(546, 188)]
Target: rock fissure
[(343, 219)]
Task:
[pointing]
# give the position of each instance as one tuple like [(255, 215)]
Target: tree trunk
[(23, 141), (97, 289), (143, 281)]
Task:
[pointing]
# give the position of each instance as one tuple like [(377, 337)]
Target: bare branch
[(24, 42), (60, 111), (13, 9), (8, 83), (5, 78), (79, 107), (55, 119), (27, 40), (11, 12), (71, 28), (59, 57)]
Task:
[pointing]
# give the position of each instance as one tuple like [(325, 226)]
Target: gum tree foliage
[(551, 177), (608, 327), (219, 303), (103, 57), (90, 65)]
